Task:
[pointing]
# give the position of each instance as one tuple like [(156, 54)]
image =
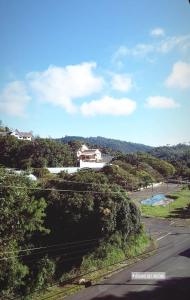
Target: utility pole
[(152, 190), (169, 210)]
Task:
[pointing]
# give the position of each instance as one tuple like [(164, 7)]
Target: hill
[(178, 155), (113, 144)]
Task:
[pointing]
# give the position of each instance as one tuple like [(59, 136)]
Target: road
[(172, 257)]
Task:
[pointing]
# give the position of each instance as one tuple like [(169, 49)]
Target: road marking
[(163, 236), (173, 222)]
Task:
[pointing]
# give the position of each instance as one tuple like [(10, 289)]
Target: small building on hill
[(88, 155), (27, 136)]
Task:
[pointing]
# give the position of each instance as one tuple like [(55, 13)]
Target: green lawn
[(176, 209)]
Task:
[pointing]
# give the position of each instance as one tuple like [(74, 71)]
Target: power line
[(70, 181), (65, 256), (70, 280), (62, 249), (66, 181), (60, 254), (58, 190), (68, 244)]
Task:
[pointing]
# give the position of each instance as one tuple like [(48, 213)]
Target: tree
[(21, 215)]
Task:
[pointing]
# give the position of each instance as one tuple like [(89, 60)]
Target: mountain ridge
[(113, 144)]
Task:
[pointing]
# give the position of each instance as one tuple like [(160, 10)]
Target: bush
[(114, 250), (42, 275), (172, 196)]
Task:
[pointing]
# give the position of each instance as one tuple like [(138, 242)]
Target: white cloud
[(121, 82), (109, 106), (123, 51), (161, 102), (157, 32), (180, 76), (14, 99), (61, 85), (163, 46)]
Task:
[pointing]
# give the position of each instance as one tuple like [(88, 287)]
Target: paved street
[(172, 257)]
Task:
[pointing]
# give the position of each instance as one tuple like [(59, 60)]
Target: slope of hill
[(178, 155), (113, 144)]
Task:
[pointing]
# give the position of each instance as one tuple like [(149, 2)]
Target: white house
[(27, 136), (89, 155), (90, 158)]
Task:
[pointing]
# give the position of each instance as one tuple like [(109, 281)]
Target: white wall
[(69, 170), (93, 165)]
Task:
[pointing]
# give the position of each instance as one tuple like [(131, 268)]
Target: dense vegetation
[(22, 215), (82, 221), (178, 155), (39, 153), (132, 171), (39, 215), (109, 144)]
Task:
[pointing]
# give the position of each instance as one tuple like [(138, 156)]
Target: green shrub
[(114, 250)]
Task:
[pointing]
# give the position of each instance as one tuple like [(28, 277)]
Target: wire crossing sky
[(118, 69)]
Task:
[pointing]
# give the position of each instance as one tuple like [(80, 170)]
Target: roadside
[(95, 275), (158, 229), (172, 257), (60, 291)]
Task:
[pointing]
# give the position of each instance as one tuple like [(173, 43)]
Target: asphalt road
[(172, 257)]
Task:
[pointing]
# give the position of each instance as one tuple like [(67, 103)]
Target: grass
[(109, 258), (114, 250), (176, 209)]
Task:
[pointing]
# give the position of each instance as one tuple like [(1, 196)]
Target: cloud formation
[(157, 32), (109, 106), (180, 76), (161, 102), (61, 85), (14, 99), (122, 82), (163, 46)]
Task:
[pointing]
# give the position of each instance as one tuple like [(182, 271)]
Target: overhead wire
[(48, 251), (53, 245), (70, 280), (60, 253), (66, 181), (60, 190)]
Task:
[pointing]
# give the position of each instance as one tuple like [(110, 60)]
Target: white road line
[(163, 236), (173, 222)]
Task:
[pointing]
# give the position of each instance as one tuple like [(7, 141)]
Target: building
[(27, 136), (90, 158), (89, 155)]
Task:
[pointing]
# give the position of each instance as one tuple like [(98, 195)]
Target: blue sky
[(113, 68)]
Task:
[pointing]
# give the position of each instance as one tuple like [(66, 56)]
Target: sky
[(113, 68)]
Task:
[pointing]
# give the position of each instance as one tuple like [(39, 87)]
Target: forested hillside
[(57, 228), (138, 170), (178, 155), (111, 144), (64, 225), (39, 153), (81, 221)]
